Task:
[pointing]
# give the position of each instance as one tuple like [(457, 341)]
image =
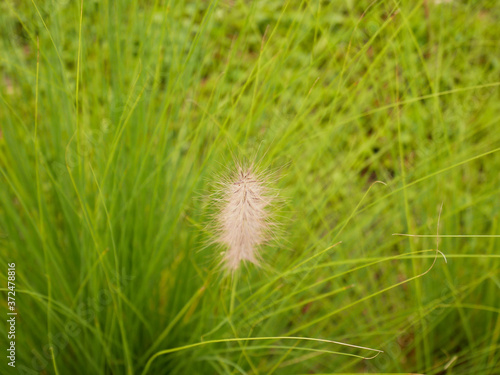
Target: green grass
[(110, 143)]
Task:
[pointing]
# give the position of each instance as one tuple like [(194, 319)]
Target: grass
[(111, 139)]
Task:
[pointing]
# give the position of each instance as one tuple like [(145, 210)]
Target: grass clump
[(109, 136)]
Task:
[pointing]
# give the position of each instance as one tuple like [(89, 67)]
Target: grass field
[(116, 119)]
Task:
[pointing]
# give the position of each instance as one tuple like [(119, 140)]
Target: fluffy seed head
[(243, 217)]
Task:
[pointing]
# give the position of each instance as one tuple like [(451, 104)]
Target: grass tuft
[(114, 115)]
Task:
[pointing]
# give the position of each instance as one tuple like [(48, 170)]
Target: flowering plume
[(243, 217)]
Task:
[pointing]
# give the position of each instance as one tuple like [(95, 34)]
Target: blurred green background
[(110, 145)]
